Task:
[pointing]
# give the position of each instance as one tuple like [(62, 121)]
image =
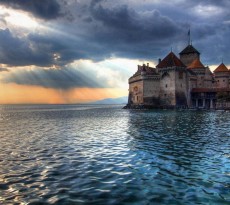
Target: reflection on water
[(105, 155)]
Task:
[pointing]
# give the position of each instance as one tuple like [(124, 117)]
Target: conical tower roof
[(221, 68), (170, 60), (189, 49), (196, 64)]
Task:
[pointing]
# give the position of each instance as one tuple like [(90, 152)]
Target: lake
[(102, 154)]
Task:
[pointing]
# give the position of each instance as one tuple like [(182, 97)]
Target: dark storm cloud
[(46, 9), (95, 2), (40, 50), (149, 33), (129, 25), (220, 3), (214, 48), (16, 51), (100, 29), (69, 48), (126, 33), (66, 78)]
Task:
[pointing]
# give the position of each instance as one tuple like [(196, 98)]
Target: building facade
[(179, 82)]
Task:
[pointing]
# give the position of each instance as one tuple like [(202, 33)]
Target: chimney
[(147, 65), (159, 60), (144, 68)]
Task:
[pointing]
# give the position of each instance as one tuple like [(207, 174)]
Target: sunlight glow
[(114, 71), (207, 11), (17, 94), (21, 19)]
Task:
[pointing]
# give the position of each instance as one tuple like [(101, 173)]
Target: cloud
[(53, 78), (132, 26), (79, 74), (45, 50), (46, 9), (16, 51), (2, 19), (100, 30), (3, 69), (221, 3), (123, 32), (149, 33)]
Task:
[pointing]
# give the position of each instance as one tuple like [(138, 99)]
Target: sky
[(78, 51)]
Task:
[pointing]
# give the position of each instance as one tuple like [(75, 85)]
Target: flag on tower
[(189, 38)]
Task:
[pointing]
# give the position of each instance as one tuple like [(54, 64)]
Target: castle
[(179, 82)]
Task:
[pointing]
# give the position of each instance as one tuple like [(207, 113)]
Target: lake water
[(85, 154)]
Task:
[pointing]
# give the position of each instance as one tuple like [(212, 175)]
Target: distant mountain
[(121, 100)]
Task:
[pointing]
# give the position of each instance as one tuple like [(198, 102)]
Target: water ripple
[(106, 155)]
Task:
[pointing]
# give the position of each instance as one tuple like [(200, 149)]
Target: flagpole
[(189, 36)]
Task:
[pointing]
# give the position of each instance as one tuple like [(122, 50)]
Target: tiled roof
[(170, 60), (189, 49), (221, 68), (208, 90), (196, 64)]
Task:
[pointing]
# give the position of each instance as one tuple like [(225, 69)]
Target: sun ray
[(18, 18)]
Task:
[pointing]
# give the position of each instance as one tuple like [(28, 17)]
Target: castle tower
[(222, 75), (204, 75), (144, 86), (173, 85), (188, 55)]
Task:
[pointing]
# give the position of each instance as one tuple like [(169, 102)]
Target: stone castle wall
[(181, 87), (208, 81), (222, 80), (192, 83), (136, 91), (151, 91), (167, 88)]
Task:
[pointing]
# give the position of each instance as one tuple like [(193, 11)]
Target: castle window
[(165, 74), (180, 75), (181, 85), (223, 80), (135, 88), (165, 95), (137, 98), (166, 85)]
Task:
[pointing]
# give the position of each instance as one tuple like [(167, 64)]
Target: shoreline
[(152, 107)]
